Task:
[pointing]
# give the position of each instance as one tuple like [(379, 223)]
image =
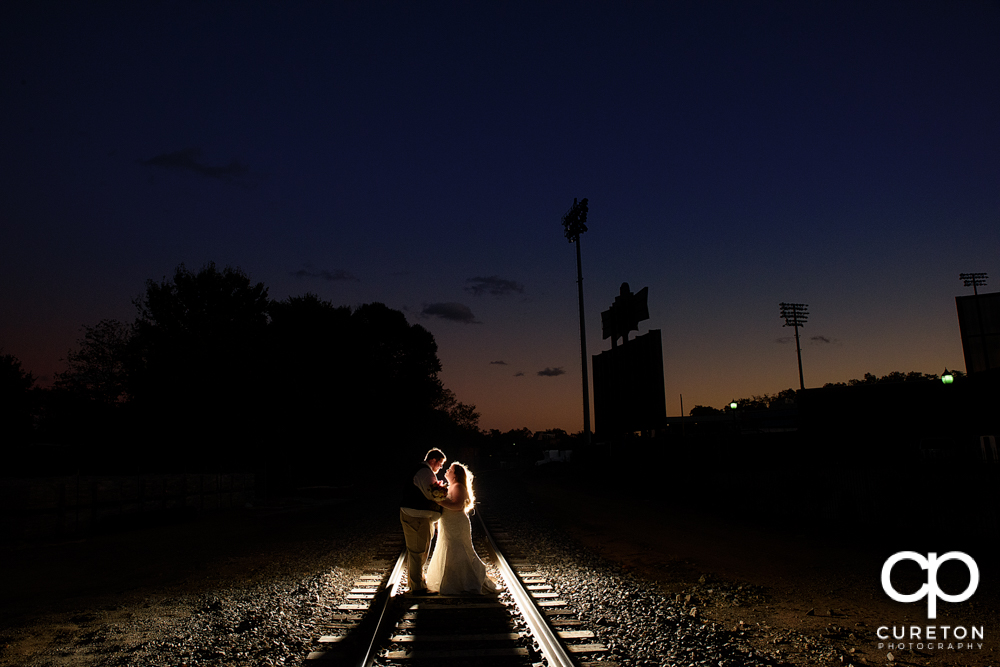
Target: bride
[(455, 567)]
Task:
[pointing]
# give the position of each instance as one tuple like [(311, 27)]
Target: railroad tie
[(459, 629), (458, 653)]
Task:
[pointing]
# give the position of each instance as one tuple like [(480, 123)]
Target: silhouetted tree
[(15, 401), (86, 408), (213, 375), (345, 379), (98, 367), (307, 389), (197, 350), (395, 367), (513, 447), (554, 435), (782, 399), (890, 378), (454, 423), (462, 415), (308, 353)]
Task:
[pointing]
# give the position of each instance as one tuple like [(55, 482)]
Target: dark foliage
[(782, 399), (891, 378), (196, 358), (16, 401), (212, 375), (517, 447), (788, 397), (341, 383), (98, 367)]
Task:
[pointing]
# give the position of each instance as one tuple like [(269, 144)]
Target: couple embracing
[(455, 568)]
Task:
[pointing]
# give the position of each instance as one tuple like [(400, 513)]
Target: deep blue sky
[(735, 155)]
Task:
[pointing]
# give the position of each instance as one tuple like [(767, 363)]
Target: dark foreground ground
[(817, 580), (802, 583)]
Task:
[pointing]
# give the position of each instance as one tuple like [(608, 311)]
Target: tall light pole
[(976, 280), (796, 315), (575, 223)]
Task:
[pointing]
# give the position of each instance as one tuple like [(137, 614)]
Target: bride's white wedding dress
[(455, 567)]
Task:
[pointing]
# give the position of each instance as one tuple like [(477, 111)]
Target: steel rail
[(381, 608), (548, 642)]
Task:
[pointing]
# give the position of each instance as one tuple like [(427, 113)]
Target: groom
[(417, 513)]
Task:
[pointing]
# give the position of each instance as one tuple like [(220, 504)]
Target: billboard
[(979, 323), (628, 387)]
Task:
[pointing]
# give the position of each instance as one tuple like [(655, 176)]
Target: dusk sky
[(735, 155)]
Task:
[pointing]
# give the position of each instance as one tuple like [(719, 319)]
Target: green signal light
[(948, 379)]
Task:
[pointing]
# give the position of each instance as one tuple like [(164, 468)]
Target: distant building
[(979, 323)]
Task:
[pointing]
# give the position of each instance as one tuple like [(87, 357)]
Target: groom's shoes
[(423, 591)]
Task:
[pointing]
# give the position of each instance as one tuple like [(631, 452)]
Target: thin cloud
[(821, 339), (786, 339), (494, 285), (338, 274), (552, 372), (498, 363), (455, 312), (187, 160), (519, 374)]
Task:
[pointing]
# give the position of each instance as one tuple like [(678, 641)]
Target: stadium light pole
[(575, 223), (796, 315), (976, 280)]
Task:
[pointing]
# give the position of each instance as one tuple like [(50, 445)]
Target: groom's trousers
[(417, 531)]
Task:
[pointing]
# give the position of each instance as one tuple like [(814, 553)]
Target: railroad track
[(526, 624)]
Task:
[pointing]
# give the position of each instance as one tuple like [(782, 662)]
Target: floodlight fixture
[(974, 280), (575, 220), (796, 315)]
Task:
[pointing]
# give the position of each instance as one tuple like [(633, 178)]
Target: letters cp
[(930, 589)]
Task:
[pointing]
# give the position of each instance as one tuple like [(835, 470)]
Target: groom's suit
[(417, 513)]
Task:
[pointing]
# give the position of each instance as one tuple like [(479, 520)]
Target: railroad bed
[(328, 592), (526, 623)]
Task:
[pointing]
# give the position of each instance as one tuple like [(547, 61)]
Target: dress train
[(455, 567)]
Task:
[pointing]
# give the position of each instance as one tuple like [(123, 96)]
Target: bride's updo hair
[(464, 477)]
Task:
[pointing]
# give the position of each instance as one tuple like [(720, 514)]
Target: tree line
[(787, 397), (212, 374)]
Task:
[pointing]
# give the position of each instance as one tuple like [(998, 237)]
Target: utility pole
[(975, 280), (575, 223), (796, 315)]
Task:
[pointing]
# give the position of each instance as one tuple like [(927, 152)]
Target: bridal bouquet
[(439, 491)]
